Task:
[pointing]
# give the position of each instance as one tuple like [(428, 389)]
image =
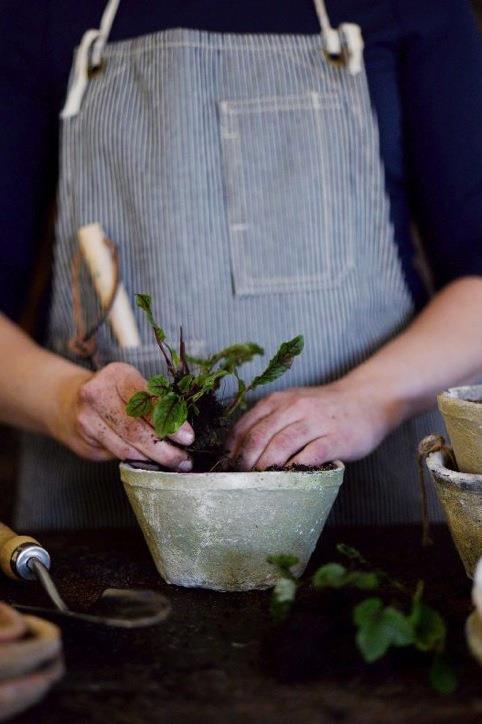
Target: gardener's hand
[(92, 420), (310, 426)]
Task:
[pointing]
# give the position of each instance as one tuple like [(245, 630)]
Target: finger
[(319, 451), (286, 443), (111, 442), (259, 410), (260, 435), (140, 435), (131, 381)]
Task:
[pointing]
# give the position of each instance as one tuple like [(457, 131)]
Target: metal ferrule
[(21, 556)]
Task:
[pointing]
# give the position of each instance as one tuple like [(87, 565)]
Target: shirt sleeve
[(441, 87), (28, 146)]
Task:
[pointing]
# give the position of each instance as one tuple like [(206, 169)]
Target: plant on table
[(383, 613), (189, 391)]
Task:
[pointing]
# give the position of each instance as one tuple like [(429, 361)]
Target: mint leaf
[(185, 382), (281, 362), (428, 626), (144, 302), (169, 413), (158, 385), (379, 628), (442, 675), (332, 575), (139, 404)]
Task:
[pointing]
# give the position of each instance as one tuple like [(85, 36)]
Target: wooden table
[(212, 660)]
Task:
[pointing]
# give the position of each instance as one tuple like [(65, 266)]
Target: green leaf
[(144, 302), (233, 356), (281, 362), (379, 628), (428, 626), (332, 575), (158, 385), (176, 360), (207, 382), (139, 404), (442, 675), (169, 413), (185, 382), (284, 594), (238, 354), (350, 553)]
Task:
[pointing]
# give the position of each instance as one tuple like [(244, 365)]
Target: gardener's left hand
[(311, 426)]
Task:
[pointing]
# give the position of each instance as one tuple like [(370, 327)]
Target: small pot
[(215, 530), (462, 411), (461, 497)]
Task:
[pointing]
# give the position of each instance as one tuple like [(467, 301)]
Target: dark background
[(8, 438)]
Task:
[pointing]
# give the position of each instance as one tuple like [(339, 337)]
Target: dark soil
[(208, 451)]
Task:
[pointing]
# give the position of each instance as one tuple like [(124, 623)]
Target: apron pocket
[(288, 184)]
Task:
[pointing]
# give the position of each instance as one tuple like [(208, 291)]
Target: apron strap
[(88, 57), (343, 46)]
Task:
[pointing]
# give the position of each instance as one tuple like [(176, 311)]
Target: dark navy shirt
[(424, 66)]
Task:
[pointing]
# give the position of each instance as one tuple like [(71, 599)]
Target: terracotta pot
[(461, 497), (215, 530), (463, 419)]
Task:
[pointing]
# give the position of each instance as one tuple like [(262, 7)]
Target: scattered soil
[(303, 468)]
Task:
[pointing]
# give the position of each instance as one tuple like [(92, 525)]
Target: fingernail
[(185, 466), (186, 436)]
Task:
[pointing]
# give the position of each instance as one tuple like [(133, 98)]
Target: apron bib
[(240, 177)]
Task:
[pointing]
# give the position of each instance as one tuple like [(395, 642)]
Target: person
[(260, 179)]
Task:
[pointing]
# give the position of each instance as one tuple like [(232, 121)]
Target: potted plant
[(214, 527), (461, 408)]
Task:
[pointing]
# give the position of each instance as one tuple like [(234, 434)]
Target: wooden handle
[(9, 542), (99, 261)]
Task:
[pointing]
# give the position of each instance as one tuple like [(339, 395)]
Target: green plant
[(190, 393), (392, 616)]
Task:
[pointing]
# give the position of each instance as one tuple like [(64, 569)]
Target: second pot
[(461, 497), (461, 408)]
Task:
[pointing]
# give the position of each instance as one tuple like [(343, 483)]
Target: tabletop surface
[(219, 657)]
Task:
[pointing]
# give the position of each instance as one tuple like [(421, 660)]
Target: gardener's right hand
[(92, 420)]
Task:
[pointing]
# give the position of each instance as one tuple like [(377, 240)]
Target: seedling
[(189, 391), (386, 614)]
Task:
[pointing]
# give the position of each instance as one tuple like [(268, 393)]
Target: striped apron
[(240, 177)]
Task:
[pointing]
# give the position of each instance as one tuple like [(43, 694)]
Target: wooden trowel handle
[(9, 542)]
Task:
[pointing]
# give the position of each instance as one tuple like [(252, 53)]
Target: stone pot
[(463, 419), (215, 530), (461, 497)]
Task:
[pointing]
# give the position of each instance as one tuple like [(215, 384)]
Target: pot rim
[(260, 481), (436, 463), (462, 395)]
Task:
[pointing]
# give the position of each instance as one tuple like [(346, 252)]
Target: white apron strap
[(89, 55), (343, 46)]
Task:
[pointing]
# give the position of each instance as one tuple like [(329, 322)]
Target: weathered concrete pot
[(215, 530), (461, 497), (463, 419)]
